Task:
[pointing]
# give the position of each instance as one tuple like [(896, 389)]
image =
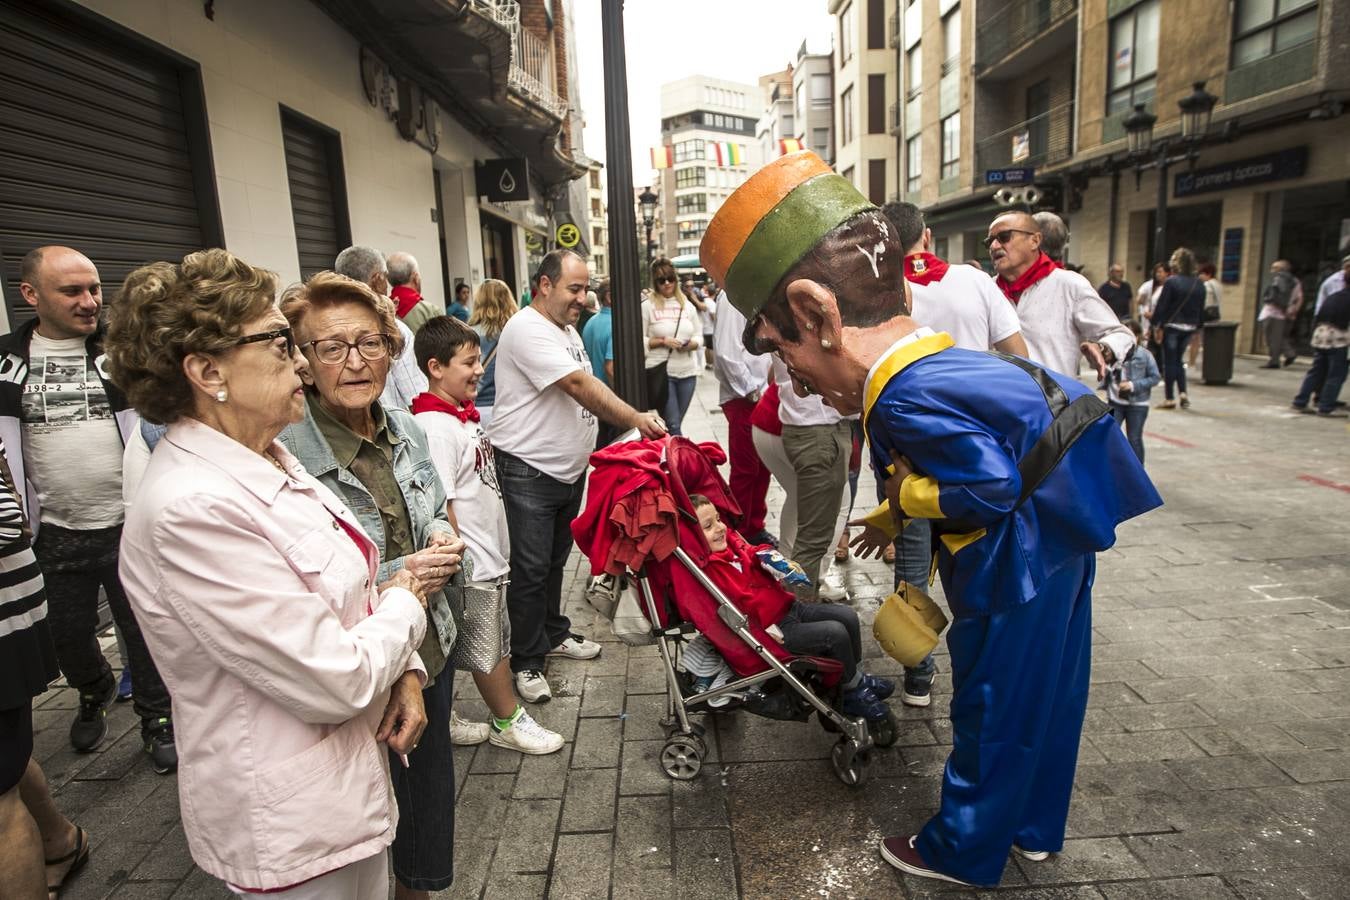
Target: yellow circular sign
[(568, 235)]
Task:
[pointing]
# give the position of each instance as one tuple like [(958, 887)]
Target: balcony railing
[(895, 30), (1017, 23), (897, 117), (1039, 141), (532, 71)]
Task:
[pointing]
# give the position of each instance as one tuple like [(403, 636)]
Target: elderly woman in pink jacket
[(255, 588)]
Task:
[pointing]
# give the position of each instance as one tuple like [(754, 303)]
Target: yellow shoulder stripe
[(901, 357)]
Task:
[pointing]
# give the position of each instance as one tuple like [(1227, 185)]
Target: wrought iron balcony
[(895, 30), (1039, 141), (1017, 24), (532, 72)]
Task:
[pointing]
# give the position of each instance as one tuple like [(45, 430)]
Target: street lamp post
[(1196, 109), (629, 382), (647, 200)]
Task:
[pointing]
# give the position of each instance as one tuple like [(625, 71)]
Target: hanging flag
[(727, 154), (789, 145), (663, 157)]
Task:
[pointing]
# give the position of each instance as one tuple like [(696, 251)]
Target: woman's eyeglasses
[(334, 352), (1004, 236), (271, 336), (665, 279)]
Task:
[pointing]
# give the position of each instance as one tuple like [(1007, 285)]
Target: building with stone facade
[(864, 91), (284, 130), (813, 100), (1045, 86), (598, 217), (777, 122)]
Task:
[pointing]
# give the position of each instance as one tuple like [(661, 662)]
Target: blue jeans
[(678, 398), (1175, 342), (1133, 416), (1324, 379), (539, 514)]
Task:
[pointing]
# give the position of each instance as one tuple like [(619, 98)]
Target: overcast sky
[(740, 40)]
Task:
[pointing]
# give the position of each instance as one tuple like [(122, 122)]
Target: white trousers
[(364, 880), (775, 459)]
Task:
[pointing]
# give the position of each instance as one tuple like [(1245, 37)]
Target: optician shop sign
[(1291, 163)]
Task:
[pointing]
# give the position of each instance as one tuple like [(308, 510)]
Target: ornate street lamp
[(1196, 109), (647, 200), (1139, 131)]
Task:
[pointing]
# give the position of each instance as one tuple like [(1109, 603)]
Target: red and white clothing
[(959, 300), (1059, 311)]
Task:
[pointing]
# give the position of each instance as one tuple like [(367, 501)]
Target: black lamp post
[(647, 200), (1196, 110)]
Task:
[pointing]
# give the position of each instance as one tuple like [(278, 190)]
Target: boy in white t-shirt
[(448, 352)]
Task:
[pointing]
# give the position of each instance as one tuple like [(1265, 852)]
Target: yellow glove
[(902, 632)]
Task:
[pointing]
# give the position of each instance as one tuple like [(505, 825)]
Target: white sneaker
[(576, 647), (532, 687), (464, 733), (830, 589), (1032, 855), (527, 736)]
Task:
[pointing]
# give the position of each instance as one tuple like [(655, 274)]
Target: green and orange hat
[(771, 222)]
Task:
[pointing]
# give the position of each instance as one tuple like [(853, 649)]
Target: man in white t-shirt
[(543, 430), (65, 425)]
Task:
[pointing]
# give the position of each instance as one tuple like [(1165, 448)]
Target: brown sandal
[(80, 855)]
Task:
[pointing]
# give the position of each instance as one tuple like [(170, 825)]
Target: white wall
[(257, 55)]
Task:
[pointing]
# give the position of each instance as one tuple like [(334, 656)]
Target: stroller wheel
[(883, 731), (682, 757), (852, 765)]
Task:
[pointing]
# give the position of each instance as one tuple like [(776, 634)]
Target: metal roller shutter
[(102, 147), (318, 194)]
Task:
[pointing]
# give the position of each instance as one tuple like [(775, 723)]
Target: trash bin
[(1220, 348)]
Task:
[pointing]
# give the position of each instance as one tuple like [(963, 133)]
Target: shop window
[(951, 146), (1262, 28), (1134, 57), (913, 164)]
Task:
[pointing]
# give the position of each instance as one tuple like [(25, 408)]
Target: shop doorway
[(499, 250), (1311, 228), (1195, 227)]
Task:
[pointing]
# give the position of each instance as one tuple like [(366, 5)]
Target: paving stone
[(1124, 779), (581, 867), (644, 884), (1112, 694), (598, 744), (1120, 670), (643, 835), (1160, 716), (1291, 884), (526, 842), (1150, 745), (589, 802), (705, 865), (1234, 739), (1144, 813), (1220, 772), (542, 777), (1085, 859), (1315, 765), (515, 887), (640, 770), (1074, 892), (1319, 706), (1208, 888), (1216, 851), (1261, 709), (602, 695), (701, 803), (1265, 684)]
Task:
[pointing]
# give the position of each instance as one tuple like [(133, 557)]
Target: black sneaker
[(91, 723), (158, 735)]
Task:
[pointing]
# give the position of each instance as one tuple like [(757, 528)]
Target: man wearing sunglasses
[(1062, 315), (64, 425)]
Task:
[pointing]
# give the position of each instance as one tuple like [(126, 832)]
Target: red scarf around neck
[(1042, 267), (924, 268), (429, 402), (406, 298)]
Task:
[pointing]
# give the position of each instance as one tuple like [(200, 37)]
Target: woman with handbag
[(451, 357), (377, 462), (1176, 319), (491, 308), (671, 326)]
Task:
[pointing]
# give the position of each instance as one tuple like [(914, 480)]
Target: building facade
[(864, 92), (219, 126), (708, 147), (598, 216), (813, 100), (777, 121), (1039, 89)]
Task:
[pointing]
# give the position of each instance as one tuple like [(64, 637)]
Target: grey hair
[(360, 263), (402, 268), (1054, 234)]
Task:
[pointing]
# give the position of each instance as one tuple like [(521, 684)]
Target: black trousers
[(75, 564)]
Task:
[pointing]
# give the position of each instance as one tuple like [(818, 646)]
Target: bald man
[(1062, 316), (64, 426), (405, 281)]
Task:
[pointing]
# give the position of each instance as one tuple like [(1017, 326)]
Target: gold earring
[(826, 344), (221, 396)]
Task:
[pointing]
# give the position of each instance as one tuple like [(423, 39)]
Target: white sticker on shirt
[(63, 389)]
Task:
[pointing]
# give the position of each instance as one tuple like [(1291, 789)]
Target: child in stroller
[(814, 629)]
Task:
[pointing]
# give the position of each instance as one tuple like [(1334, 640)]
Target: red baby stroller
[(639, 526)]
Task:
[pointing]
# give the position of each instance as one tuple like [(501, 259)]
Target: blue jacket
[(1141, 370), (1181, 302), (965, 419)]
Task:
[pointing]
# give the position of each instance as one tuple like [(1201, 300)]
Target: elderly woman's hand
[(409, 582), (433, 566), (405, 717)]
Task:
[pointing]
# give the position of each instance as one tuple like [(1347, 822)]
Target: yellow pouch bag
[(919, 601), (902, 632)]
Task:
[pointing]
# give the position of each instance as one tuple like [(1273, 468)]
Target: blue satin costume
[(1018, 580)]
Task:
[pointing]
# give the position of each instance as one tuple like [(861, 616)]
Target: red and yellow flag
[(663, 157), (789, 145)]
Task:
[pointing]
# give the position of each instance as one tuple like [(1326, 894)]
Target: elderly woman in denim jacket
[(376, 460)]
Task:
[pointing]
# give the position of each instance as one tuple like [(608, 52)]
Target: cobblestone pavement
[(1215, 761)]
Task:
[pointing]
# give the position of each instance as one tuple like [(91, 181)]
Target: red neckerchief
[(406, 298), (1042, 267), (428, 402), (924, 268)]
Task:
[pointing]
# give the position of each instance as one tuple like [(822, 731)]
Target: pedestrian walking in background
[(405, 289), (1213, 308), (598, 338), (289, 663), (741, 380), (459, 309), (1332, 283), (708, 311), (1128, 389), (673, 331), (1331, 336), (65, 426), (1179, 313), (367, 265), (493, 306), (1054, 236), (1117, 293), (377, 460), (1280, 302), (39, 847), (449, 353), (1147, 298), (543, 432)]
